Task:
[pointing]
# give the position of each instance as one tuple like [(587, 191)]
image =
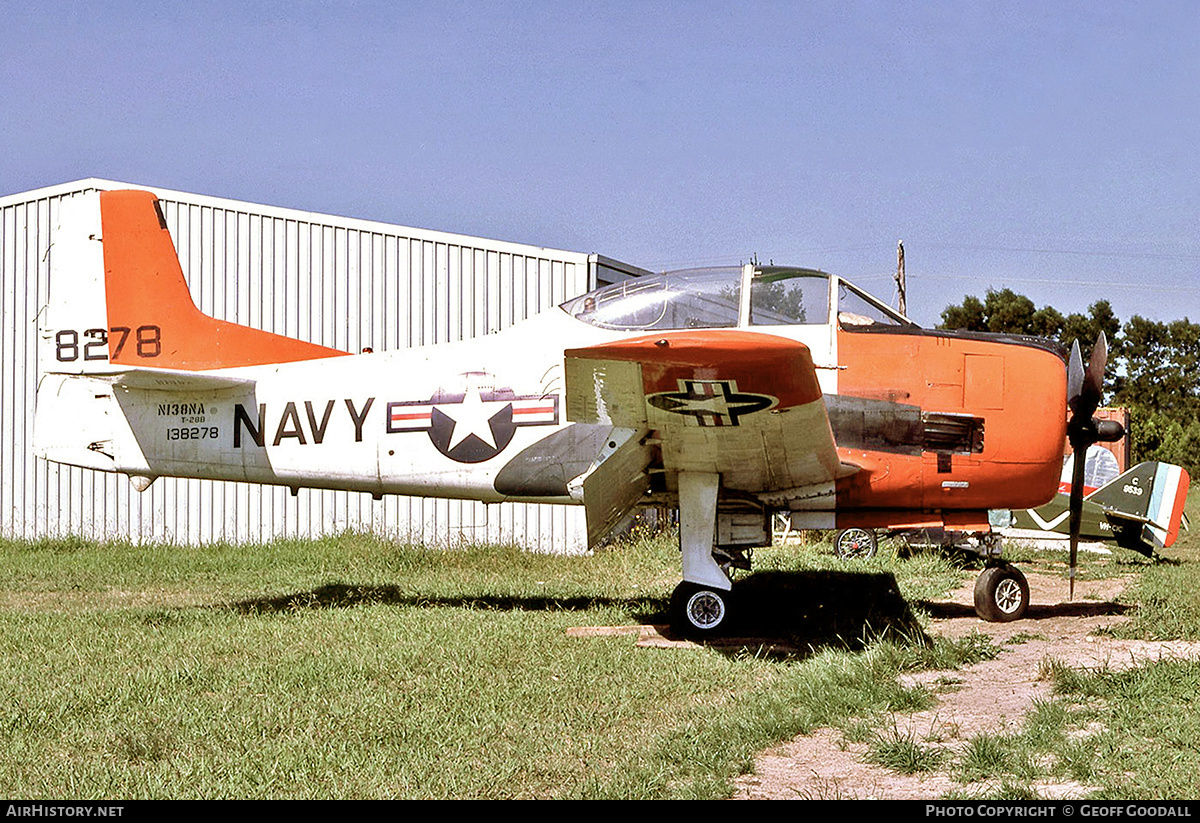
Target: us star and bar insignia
[(472, 420), (711, 402)]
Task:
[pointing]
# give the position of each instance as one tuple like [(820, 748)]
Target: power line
[(1093, 283), (1078, 252)]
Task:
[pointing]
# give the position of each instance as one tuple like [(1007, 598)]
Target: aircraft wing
[(744, 405)]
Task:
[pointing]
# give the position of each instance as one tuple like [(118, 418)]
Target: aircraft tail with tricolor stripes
[(1141, 509)]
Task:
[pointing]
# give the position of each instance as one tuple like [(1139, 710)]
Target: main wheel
[(855, 544), (698, 611), (1001, 594)]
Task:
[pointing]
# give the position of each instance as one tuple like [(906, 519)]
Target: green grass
[(354, 667), (902, 753), (1118, 735)]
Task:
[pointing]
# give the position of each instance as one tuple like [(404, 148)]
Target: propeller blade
[(1085, 387), (1084, 391), (1074, 375), (1079, 463), (1094, 380)]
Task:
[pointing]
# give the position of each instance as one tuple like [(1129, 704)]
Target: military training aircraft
[(732, 393)]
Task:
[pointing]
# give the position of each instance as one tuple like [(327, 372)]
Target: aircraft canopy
[(712, 298)]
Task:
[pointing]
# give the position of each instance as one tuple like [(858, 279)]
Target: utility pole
[(900, 276)]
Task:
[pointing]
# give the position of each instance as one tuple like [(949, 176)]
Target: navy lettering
[(318, 430), (240, 417), (358, 418), (289, 414), (290, 424)]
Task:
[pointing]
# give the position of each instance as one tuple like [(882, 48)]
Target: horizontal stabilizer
[(170, 380), (77, 422)]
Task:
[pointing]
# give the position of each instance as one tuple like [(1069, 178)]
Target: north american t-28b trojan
[(732, 393)]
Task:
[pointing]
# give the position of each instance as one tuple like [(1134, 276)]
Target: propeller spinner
[(1084, 390)]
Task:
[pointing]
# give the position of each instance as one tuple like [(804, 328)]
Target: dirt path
[(993, 696)]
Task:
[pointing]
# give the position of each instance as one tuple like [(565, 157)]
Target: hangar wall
[(336, 281)]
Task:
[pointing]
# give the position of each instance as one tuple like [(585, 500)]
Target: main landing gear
[(700, 605), (855, 543), (698, 611)]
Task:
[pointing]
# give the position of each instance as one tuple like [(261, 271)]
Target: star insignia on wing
[(711, 402)]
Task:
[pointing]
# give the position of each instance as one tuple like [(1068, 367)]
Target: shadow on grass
[(810, 610), (344, 595), (1080, 608), (800, 610)]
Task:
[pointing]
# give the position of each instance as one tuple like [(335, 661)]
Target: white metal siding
[(335, 281)]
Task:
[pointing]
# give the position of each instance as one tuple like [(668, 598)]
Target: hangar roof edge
[(437, 235)]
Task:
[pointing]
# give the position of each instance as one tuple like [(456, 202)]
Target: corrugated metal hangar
[(339, 282)]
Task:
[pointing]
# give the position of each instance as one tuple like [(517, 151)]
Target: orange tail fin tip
[(151, 316)]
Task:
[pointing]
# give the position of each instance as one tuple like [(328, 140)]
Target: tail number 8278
[(92, 344)]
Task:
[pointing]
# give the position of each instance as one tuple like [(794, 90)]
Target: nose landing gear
[(1001, 594)]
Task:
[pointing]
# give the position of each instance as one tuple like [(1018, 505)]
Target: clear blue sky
[(1049, 147)]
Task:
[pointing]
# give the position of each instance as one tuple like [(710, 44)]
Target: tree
[(1000, 311), (1007, 312), (1157, 437), (970, 316), (1086, 330), (1047, 322), (1162, 370)]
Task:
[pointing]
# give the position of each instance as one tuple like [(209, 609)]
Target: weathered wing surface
[(744, 405)]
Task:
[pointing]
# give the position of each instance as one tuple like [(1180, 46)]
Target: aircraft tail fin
[(118, 298), (1145, 504), (120, 316)]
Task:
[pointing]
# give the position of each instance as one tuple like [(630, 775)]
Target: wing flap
[(615, 483)]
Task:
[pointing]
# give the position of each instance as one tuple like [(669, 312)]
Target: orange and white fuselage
[(751, 389)]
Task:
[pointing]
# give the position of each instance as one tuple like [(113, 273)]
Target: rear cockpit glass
[(789, 297), (694, 299)]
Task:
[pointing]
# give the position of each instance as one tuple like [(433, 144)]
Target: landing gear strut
[(700, 604)]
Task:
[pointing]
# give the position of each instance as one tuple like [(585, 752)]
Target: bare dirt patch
[(990, 697)]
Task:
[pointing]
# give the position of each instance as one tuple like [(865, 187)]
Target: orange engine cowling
[(943, 421)]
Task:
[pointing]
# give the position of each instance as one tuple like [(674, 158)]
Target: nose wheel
[(1001, 594)]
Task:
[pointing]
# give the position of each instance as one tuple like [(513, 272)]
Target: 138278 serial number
[(193, 433)]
